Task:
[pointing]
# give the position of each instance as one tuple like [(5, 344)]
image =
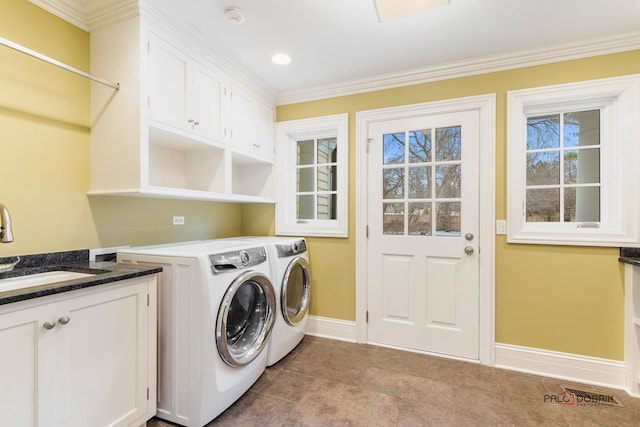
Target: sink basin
[(39, 279)]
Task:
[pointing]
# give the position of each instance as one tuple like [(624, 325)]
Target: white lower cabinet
[(81, 358), (632, 328)]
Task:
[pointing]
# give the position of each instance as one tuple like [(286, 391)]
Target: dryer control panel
[(290, 249)]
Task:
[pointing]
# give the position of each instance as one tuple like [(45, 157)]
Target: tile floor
[(332, 383)]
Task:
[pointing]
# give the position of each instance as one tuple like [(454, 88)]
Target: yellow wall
[(44, 153), (567, 299)]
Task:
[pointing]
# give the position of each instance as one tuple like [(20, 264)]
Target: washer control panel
[(237, 260)]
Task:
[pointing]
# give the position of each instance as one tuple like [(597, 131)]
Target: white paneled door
[(423, 218)]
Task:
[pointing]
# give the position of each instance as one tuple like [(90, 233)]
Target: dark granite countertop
[(103, 272), (630, 256)]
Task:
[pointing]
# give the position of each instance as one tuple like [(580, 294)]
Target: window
[(432, 156), (572, 154), (311, 176)]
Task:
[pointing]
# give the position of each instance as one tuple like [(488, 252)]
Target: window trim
[(287, 133), (619, 100)]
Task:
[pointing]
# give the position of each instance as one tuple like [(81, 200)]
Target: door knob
[(468, 250), (64, 320), (469, 236)]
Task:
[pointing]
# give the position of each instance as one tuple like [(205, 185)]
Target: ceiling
[(340, 43)]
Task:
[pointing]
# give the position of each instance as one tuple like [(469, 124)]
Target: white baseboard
[(325, 327), (573, 367), (553, 364)]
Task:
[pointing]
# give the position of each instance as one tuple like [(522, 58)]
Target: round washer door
[(245, 318), (296, 289)]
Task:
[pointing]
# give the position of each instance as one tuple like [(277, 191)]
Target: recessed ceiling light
[(392, 9), (281, 59), (234, 15)]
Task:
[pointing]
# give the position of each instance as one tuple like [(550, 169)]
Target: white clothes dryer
[(291, 278), (216, 311)]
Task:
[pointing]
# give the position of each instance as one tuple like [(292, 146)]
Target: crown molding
[(111, 12), (72, 11), (89, 15), (475, 66)]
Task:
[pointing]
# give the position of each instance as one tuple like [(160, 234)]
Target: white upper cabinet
[(184, 94), (253, 125), (173, 130)]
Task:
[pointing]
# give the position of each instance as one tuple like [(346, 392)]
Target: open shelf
[(201, 169), (251, 178)]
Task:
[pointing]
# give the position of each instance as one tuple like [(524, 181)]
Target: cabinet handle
[(193, 122), (64, 320), (49, 325), (256, 145), (196, 123)]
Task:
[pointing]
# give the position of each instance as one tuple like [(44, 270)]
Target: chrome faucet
[(6, 235)]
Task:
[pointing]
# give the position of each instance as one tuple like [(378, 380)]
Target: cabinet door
[(168, 74), (264, 129), (24, 344), (105, 341), (207, 103), (253, 129)]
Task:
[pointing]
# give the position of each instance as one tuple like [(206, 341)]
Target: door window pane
[(393, 218), (393, 183), (420, 182), (420, 219), (393, 148), (420, 146), (448, 179), (448, 219), (448, 143)]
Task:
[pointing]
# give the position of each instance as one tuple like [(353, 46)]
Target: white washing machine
[(216, 312), (291, 278)]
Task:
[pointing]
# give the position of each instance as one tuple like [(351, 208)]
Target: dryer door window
[(245, 318), (296, 289)]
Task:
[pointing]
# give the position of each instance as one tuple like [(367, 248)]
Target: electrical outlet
[(178, 220), (501, 226)]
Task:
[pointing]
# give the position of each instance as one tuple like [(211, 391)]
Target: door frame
[(486, 107)]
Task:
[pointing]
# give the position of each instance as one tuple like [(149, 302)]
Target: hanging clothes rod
[(57, 63)]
